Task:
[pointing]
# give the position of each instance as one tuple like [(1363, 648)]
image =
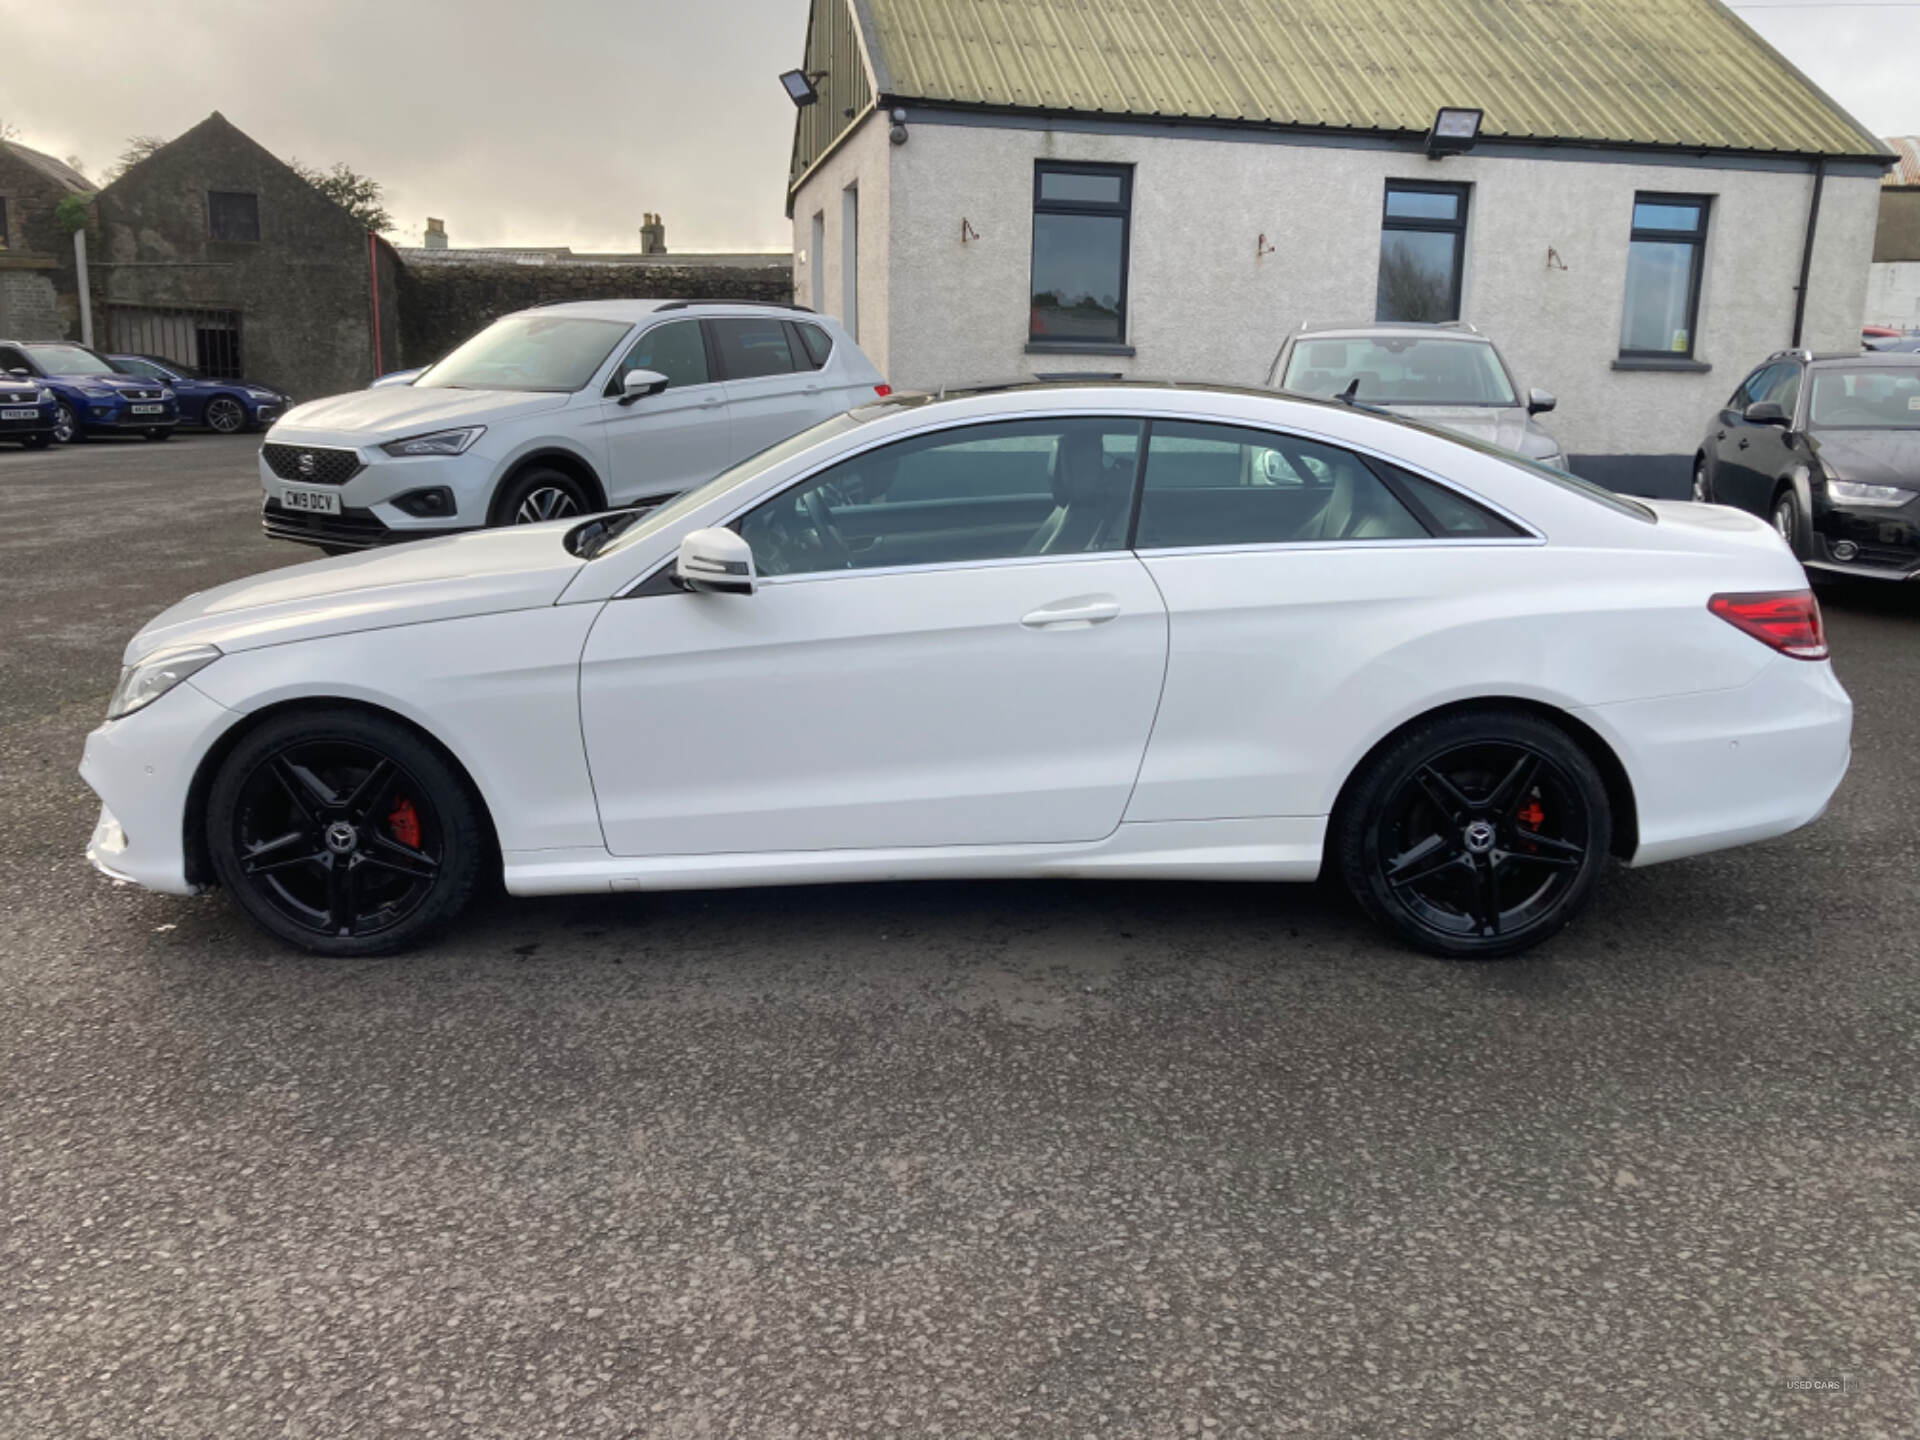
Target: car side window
[(980, 492), (815, 341), (1784, 388), (675, 350), (1755, 387), (1224, 485), (750, 349), (1446, 511)]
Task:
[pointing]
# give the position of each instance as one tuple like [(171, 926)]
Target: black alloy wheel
[(1702, 487), (225, 415), (1786, 519), (66, 425), (343, 833), (1477, 835)]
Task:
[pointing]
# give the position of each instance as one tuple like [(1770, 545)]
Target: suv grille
[(141, 394), (350, 529), (315, 464), (25, 397)]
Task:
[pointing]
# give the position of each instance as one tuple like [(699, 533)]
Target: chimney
[(653, 235), (436, 234)]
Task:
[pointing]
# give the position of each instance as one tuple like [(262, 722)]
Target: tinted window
[(1866, 398), (751, 348), (1221, 485), (818, 344), (675, 350), (1783, 387), (143, 367), (1422, 245), (982, 492), (1752, 388), (233, 216), (1450, 512), (1080, 219)]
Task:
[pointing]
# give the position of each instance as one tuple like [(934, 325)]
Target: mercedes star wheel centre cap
[(1479, 837)]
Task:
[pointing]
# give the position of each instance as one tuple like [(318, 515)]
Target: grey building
[(36, 252), (215, 253)]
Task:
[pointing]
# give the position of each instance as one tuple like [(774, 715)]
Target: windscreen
[(70, 360), (1400, 370), (1866, 398), (529, 352)]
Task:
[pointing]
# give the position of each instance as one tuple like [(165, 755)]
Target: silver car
[(1446, 375)]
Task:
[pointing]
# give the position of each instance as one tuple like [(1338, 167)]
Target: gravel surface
[(958, 1159)]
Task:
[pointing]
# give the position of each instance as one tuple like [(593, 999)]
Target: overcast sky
[(562, 122)]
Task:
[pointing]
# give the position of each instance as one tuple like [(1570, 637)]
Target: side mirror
[(1539, 402), (1765, 412), (638, 384), (717, 561)]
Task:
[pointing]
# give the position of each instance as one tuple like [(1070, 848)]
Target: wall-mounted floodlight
[(1454, 132), (800, 86)]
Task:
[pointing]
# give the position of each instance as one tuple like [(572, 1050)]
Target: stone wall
[(36, 261), (444, 301), (30, 307)]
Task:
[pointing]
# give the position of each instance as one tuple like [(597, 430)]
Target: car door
[(1289, 568), (770, 395), (660, 445), (983, 683), (840, 380), (1734, 481)]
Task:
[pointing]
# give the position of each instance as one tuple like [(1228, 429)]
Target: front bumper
[(1881, 544), (41, 424), (120, 417), (141, 767), (351, 529)]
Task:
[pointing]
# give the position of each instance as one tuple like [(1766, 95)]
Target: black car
[(1828, 447)]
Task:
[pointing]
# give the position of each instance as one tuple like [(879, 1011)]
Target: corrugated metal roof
[(1675, 73), (1907, 172)]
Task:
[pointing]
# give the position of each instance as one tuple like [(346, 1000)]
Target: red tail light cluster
[(883, 391), (1786, 620)]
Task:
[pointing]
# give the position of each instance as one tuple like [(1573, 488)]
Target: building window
[(1080, 222), (1663, 275), (3, 222), (233, 216), (850, 260), (1423, 246)]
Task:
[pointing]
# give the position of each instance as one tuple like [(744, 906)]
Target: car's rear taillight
[(1787, 620), (883, 391)]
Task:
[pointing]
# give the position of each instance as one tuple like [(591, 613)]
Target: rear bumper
[(1721, 768)]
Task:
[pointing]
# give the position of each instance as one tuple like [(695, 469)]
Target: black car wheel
[(225, 415), (343, 833), (37, 442), (541, 493), (67, 428), (1786, 519), (1476, 835), (1702, 487), (157, 433)]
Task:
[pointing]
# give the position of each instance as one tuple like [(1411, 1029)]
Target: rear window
[(752, 348), (1452, 513)]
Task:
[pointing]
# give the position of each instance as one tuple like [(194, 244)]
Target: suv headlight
[(1851, 492), (45, 397), (440, 442), (145, 681), (96, 394), (166, 392)]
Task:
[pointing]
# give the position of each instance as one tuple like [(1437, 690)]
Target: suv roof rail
[(768, 304), (1802, 354)]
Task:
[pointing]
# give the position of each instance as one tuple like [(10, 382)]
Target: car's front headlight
[(1851, 492), (93, 394), (45, 397), (440, 442), (260, 394), (166, 392), (145, 681)]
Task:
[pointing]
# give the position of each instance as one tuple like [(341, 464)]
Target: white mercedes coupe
[(1092, 630)]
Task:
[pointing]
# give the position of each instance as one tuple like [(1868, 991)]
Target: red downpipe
[(373, 270)]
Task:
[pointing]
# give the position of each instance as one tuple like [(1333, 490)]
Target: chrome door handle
[(710, 403), (1077, 614)]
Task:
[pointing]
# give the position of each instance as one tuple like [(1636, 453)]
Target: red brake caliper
[(404, 821)]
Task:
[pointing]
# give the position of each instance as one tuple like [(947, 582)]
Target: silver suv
[(558, 411), (1446, 375)]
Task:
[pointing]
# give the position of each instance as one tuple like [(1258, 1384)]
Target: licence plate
[(19, 414), (148, 409), (314, 502)]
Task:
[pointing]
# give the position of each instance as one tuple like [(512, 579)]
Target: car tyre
[(37, 442), (344, 833), (225, 415), (159, 434), (67, 428), (542, 493), (1788, 520), (1702, 485), (1475, 835)]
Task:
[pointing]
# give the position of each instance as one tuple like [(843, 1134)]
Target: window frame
[(1695, 239), (212, 232), (1456, 227), (6, 241), (1123, 208)]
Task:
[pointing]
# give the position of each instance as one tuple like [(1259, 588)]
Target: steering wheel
[(834, 550)]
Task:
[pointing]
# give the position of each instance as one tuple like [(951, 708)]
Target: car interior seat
[(1089, 497)]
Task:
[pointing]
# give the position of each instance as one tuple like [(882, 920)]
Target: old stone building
[(37, 285), (214, 252)]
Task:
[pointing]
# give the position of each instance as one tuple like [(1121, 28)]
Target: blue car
[(27, 410), (91, 396), (226, 407)]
